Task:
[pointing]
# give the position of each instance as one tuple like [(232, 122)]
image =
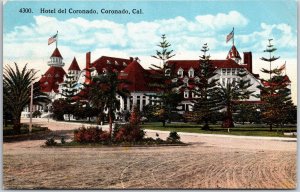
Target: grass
[(8, 131), (245, 130)]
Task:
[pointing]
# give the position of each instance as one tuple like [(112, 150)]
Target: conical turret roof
[(74, 65), (56, 53), (233, 53)]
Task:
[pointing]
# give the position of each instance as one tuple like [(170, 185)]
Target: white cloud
[(221, 20)]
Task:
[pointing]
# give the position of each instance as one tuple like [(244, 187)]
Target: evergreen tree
[(69, 91), (275, 93), (206, 102), (232, 92), (168, 95)]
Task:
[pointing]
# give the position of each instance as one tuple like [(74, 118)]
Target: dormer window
[(180, 73), (46, 83), (104, 70), (167, 72), (191, 73), (116, 63), (124, 64), (107, 61), (186, 94)]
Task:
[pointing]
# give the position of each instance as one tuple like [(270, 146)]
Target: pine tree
[(168, 95), (206, 102), (275, 93), (69, 91)]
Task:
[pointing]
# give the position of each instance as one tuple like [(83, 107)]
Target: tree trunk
[(271, 127), (110, 121), (17, 124), (228, 121), (164, 123)]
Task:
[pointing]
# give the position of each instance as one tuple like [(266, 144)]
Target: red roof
[(233, 53), (135, 74), (56, 53), (105, 62), (74, 65), (187, 64), (51, 79)]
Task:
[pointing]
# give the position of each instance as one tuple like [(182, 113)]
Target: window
[(180, 73), (197, 79), (186, 94), (228, 71), (223, 71), (233, 71), (193, 94), (223, 81), (104, 70), (191, 73), (167, 72)]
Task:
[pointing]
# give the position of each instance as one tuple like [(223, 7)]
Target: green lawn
[(8, 131), (246, 130)]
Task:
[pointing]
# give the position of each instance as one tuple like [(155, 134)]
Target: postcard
[(150, 94)]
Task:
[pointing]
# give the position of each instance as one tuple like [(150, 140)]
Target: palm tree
[(108, 86), (231, 92), (16, 92)]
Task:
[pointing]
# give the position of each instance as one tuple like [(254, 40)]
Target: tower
[(56, 60)]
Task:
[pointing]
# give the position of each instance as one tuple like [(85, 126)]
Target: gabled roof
[(110, 62), (56, 53), (51, 79), (233, 53), (136, 76), (74, 65)]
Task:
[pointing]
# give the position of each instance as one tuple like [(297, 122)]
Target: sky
[(187, 25)]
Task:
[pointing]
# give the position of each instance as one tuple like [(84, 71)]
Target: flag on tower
[(230, 36), (52, 39)]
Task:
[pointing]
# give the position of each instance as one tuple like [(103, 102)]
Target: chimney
[(130, 59), (88, 68), (248, 61)]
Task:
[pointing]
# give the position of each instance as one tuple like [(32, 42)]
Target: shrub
[(62, 140), (173, 137), (128, 133), (36, 114), (50, 142), (90, 135)]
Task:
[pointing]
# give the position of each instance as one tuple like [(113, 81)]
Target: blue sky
[(187, 24)]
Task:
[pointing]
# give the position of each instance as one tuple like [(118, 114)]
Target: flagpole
[(233, 37), (56, 38)]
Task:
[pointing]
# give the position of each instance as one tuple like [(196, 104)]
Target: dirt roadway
[(209, 162)]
